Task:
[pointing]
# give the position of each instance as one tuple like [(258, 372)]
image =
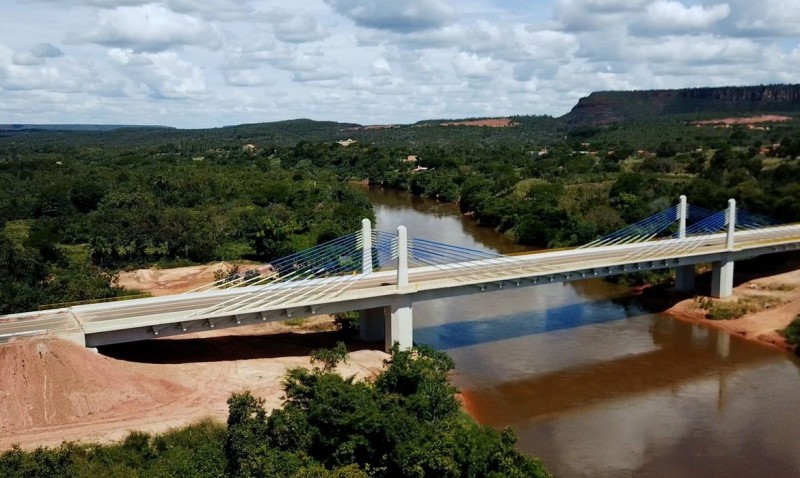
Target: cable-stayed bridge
[(382, 274)]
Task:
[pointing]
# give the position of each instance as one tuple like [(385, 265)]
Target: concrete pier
[(684, 278), (722, 279), (722, 270), (372, 324), (399, 324)]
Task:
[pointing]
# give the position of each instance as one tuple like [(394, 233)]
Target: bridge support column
[(722, 271), (399, 324), (684, 278), (371, 324), (722, 279)]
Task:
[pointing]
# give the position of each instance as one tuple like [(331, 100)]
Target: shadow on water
[(467, 333), (228, 347), (685, 353)]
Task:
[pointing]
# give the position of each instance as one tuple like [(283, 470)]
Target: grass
[(734, 309), (780, 287), (17, 231), (294, 322), (522, 188), (75, 253), (792, 332)]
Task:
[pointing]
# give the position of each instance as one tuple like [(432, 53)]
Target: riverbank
[(56, 391), (772, 303)]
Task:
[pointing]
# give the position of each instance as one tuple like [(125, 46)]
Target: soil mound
[(180, 279), (53, 382)]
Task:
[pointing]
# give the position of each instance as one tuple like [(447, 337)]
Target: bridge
[(381, 275)]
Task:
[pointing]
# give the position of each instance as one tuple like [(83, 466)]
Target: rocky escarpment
[(607, 107)]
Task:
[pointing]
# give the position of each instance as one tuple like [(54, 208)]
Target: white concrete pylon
[(731, 223), (683, 212), (366, 243), (402, 257)]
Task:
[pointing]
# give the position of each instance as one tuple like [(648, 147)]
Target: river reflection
[(595, 385)]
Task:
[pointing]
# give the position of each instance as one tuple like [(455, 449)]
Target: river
[(596, 386)]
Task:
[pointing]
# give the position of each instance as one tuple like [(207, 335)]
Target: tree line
[(80, 206)]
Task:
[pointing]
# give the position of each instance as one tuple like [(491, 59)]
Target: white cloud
[(321, 72), (37, 55), (213, 62), (768, 18), (401, 16), (46, 50), (586, 15), (381, 67), (669, 16), (247, 78), (26, 59), (150, 28), (468, 65), (164, 74), (295, 28), (70, 76), (212, 10)]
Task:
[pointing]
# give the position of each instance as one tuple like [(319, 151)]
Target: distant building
[(419, 169), (411, 158), (347, 142), (249, 148)]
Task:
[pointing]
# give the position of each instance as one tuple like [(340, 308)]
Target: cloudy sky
[(201, 63)]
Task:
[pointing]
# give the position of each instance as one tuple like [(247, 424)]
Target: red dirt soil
[(491, 123), (748, 120), (160, 282), (54, 391), (763, 326), (54, 382)]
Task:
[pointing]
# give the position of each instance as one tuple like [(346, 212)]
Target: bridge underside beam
[(184, 325)]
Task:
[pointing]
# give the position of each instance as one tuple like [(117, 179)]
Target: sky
[(210, 63)]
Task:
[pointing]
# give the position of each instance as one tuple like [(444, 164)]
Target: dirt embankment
[(489, 122), (160, 282), (52, 390), (773, 302), (750, 120)]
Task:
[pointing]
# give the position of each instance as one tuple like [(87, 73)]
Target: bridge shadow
[(476, 332), (762, 266), (236, 346)]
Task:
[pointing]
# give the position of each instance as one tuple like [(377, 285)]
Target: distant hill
[(266, 136), (607, 107), (72, 127)]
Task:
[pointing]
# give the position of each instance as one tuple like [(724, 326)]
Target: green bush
[(196, 451), (347, 322), (792, 333), (406, 423)]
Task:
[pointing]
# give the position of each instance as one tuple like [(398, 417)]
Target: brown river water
[(595, 385)]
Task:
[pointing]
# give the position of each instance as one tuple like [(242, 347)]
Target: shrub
[(792, 333), (347, 322)]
